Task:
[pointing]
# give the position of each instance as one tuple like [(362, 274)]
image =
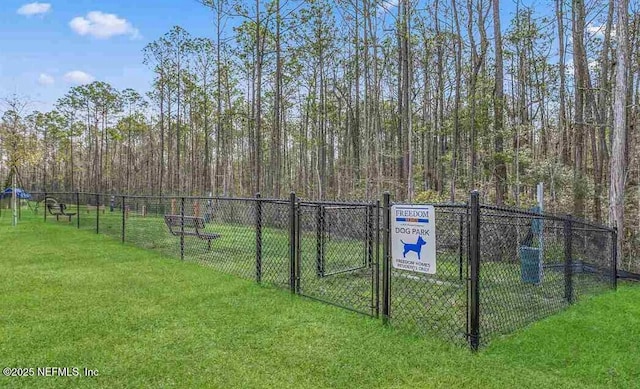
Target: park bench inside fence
[(189, 226), (59, 209)]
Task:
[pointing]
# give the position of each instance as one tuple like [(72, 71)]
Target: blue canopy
[(20, 193)]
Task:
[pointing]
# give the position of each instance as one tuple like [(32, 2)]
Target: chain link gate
[(337, 254), (433, 303)]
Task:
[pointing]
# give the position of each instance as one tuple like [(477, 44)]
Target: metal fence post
[(386, 259), (124, 212), (258, 238), (297, 267), (78, 209), (320, 229), (182, 228), (44, 210), (97, 213), (614, 259), (292, 242), (474, 264), (376, 269), (460, 247), (568, 261), (369, 258)]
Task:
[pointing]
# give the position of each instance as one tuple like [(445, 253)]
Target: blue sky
[(51, 45), (42, 54)]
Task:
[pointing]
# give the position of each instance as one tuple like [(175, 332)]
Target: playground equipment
[(16, 194)]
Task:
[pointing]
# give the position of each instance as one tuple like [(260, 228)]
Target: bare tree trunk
[(404, 102), (500, 171), (355, 132), (400, 124), (472, 98), (579, 60), (618, 168), (562, 121), (259, 51), (600, 108), (276, 134), (456, 108)]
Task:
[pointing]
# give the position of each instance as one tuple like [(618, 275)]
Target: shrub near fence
[(498, 269)]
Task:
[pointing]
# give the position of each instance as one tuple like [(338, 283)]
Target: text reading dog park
[(413, 238)]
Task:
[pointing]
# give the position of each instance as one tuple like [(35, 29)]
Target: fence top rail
[(169, 197), (51, 193), (435, 205), (543, 215), (521, 211), (509, 211), (594, 226), (588, 228), (72, 193), (166, 197), (337, 203)]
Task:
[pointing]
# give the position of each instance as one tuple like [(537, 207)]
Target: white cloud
[(599, 31), (34, 9), (595, 30), (388, 4), (45, 79), (102, 25), (78, 77)]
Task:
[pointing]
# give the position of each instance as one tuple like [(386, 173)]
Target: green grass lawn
[(420, 303), (75, 299)]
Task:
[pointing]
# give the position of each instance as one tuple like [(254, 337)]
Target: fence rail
[(498, 270)]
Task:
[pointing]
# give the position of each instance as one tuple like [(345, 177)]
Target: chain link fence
[(533, 265), (498, 269), (436, 303), (336, 259)]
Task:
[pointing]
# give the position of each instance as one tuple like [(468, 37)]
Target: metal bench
[(189, 226), (58, 210)]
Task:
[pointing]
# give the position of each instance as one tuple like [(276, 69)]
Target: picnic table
[(59, 209)]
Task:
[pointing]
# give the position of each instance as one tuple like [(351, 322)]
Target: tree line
[(346, 99)]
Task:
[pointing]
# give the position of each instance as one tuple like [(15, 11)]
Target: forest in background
[(346, 99)]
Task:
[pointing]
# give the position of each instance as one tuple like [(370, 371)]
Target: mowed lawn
[(71, 298)]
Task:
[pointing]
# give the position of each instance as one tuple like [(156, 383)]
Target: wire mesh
[(592, 270), (145, 224), (436, 303), (525, 273), (530, 265), (35, 205), (87, 212), (335, 252), (109, 218), (227, 240), (274, 239)]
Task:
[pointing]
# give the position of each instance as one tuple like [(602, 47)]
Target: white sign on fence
[(413, 238)]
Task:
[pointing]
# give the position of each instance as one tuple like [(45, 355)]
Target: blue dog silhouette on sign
[(416, 247)]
